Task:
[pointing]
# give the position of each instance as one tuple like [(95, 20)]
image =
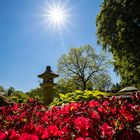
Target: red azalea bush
[(108, 119)]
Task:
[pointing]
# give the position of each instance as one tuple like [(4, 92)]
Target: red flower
[(74, 106), (100, 109), (95, 115), (105, 103), (89, 139), (39, 130), (64, 131), (93, 104), (45, 134), (124, 112), (26, 136), (79, 121), (13, 135), (79, 138), (51, 131), (113, 110), (31, 100), (82, 124), (3, 136), (15, 107), (107, 130)]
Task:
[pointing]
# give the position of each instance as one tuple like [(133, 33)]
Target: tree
[(65, 86), (115, 87), (82, 66), (37, 94), (103, 82), (118, 31), (2, 89), (10, 90)]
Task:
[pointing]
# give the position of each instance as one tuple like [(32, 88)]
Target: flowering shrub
[(108, 119)]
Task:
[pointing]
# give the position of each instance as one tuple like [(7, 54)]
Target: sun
[(57, 15)]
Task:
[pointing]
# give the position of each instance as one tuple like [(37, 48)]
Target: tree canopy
[(118, 30), (82, 66), (2, 89)]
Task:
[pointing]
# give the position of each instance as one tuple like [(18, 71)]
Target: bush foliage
[(78, 95), (108, 119), (18, 97)]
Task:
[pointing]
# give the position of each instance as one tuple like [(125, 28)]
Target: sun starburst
[(57, 15)]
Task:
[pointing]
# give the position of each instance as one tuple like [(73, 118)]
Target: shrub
[(107, 119), (78, 95), (4, 100), (19, 97)]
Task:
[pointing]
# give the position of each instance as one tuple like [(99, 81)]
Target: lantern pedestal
[(48, 85)]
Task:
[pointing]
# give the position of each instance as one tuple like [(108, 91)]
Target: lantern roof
[(128, 89), (48, 73)]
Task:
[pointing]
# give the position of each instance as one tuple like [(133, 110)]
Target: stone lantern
[(127, 92), (48, 84)]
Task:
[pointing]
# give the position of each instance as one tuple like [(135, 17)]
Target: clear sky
[(29, 42)]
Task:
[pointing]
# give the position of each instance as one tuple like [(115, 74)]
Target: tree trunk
[(84, 85)]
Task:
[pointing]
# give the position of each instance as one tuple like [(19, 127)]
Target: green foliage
[(37, 94), (78, 95), (118, 30), (14, 99), (103, 82), (66, 85), (4, 101), (43, 95), (19, 97), (10, 91), (12, 96), (81, 68), (2, 89), (116, 87)]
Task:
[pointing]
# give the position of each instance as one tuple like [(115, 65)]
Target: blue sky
[(28, 44)]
